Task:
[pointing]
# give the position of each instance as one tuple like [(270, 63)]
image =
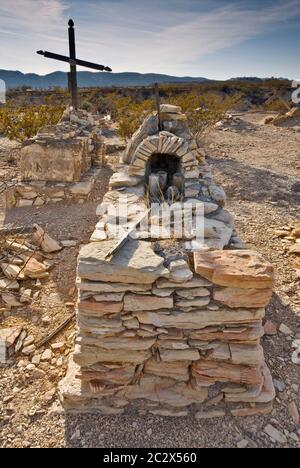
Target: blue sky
[(211, 38)]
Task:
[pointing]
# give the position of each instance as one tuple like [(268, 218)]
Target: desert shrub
[(277, 104), (204, 110), (130, 114), (22, 123)]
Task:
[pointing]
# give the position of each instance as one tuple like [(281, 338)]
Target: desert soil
[(259, 167)]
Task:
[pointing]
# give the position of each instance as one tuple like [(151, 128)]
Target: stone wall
[(166, 324), (58, 162)]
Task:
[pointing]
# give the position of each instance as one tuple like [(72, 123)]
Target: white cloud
[(31, 16), (25, 25)]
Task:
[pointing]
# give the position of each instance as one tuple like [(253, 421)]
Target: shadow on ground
[(261, 184)]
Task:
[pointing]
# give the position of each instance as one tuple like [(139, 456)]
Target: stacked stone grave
[(60, 162), (168, 324)]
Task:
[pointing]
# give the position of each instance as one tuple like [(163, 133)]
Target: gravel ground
[(257, 167)]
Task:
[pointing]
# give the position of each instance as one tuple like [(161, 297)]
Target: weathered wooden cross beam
[(157, 101), (73, 61)]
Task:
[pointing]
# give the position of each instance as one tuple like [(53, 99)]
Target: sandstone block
[(238, 297), (169, 355), (136, 302), (213, 371), (177, 370), (235, 268), (199, 319), (99, 309)]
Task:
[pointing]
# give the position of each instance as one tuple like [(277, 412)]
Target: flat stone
[(177, 370), (294, 412), (196, 302), (180, 271), (28, 349), (168, 391), (106, 374), (170, 109), (195, 282), (22, 203), (10, 300), (98, 235), (39, 201), (294, 249), (162, 292), (285, 329), (35, 269), (11, 271), (132, 324), (238, 297), (38, 374), (167, 116), (69, 243), (246, 354), (26, 192), (168, 355), (279, 385), (90, 355), (217, 413), (263, 392), (252, 411), (136, 262), (192, 293), (98, 309), (25, 295), (98, 287), (246, 332), (122, 179), (213, 371), (242, 443), (8, 284), (109, 297), (8, 336), (275, 434), (29, 340), (81, 188), (128, 344), (235, 268), (137, 302), (46, 355), (168, 412), (218, 194), (270, 328), (199, 319)]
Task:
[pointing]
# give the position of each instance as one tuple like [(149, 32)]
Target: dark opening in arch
[(163, 162)]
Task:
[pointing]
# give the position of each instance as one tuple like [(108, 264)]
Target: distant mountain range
[(15, 79)]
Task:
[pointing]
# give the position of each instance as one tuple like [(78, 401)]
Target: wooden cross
[(73, 61), (157, 101)]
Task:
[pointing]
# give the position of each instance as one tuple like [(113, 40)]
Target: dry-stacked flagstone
[(60, 162), (169, 332)]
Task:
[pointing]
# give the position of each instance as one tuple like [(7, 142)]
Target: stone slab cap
[(170, 109), (136, 262), (235, 268)]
